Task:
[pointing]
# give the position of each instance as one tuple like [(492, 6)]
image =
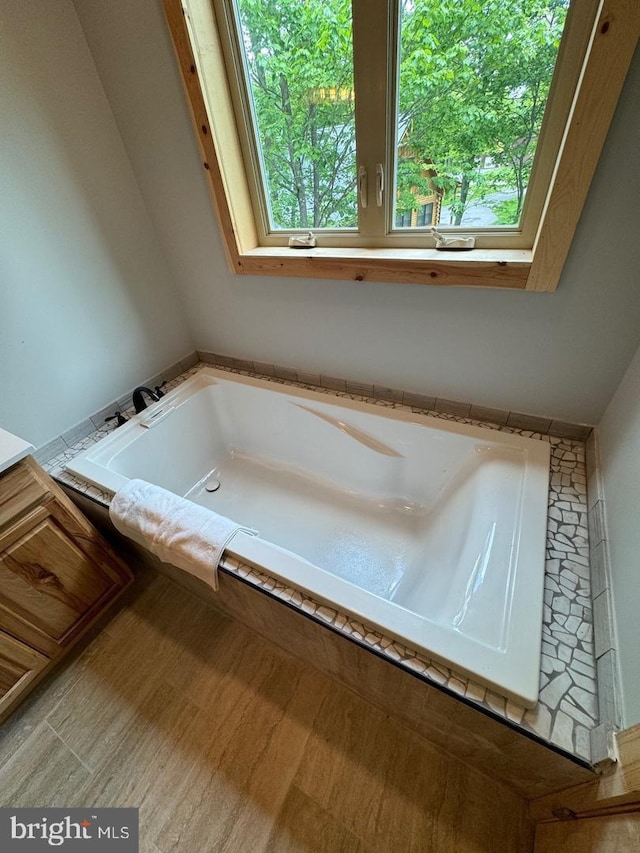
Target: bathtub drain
[(212, 485)]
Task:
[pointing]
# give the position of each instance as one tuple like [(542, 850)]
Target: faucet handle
[(119, 417), (158, 389)]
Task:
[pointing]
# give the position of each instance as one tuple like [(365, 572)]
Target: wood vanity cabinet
[(57, 575)]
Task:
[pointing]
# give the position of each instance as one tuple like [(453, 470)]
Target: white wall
[(560, 355), (87, 303), (620, 457)]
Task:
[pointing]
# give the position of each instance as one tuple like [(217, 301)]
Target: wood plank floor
[(226, 743)]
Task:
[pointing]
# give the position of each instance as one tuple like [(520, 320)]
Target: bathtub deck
[(567, 707)]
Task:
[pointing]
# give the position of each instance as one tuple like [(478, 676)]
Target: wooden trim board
[(614, 791)]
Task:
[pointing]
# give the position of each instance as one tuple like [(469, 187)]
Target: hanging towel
[(175, 529)]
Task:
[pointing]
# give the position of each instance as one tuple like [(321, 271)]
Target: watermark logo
[(110, 830)]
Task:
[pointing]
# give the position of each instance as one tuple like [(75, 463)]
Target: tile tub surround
[(567, 709), (605, 643), (499, 417)]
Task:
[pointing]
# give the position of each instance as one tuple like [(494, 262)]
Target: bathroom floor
[(225, 743)]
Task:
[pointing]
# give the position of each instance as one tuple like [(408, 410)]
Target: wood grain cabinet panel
[(20, 490), (19, 665), (48, 580), (57, 574)]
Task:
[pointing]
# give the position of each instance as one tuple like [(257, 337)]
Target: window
[(425, 215), (350, 114), (420, 218), (293, 62), (316, 115)]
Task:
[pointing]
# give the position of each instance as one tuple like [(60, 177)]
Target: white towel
[(175, 529)]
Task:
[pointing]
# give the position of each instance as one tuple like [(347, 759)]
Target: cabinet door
[(52, 579), (20, 490), (19, 665)]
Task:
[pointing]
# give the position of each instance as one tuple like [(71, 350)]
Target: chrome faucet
[(139, 403)]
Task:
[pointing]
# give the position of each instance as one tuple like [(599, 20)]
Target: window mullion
[(371, 27)]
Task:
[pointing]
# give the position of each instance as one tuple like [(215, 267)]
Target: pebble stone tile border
[(567, 709)]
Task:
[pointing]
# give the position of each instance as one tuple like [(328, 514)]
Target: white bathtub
[(430, 530)]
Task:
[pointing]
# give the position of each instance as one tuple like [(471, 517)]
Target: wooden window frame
[(613, 43)]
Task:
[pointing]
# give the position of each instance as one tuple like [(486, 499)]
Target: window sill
[(503, 268)]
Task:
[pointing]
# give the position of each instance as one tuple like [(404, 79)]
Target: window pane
[(474, 78), (425, 215), (299, 63)]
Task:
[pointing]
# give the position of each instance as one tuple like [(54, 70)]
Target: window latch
[(362, 186), (379, 184), (302, 241), (452, 244)]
